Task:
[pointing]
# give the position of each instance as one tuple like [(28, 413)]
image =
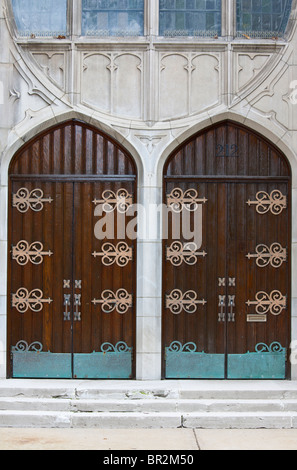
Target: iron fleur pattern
[(24, 200), (275, 255), (120, 347), (177, 347), (179, 253), (24, 300), (23, 253), (274, 303), (23, 346), (275, 202), (120, 254), (177, 301), (111, 201), (178, 200), (120, 301)]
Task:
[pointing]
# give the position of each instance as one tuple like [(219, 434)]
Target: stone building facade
[(150, 94)]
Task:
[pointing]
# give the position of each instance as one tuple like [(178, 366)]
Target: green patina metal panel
[(30, 361), (36, 365), (183, 362), (113, 362), (268, 362)]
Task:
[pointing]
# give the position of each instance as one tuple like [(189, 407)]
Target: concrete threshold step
[(145, 405), (116, 420), (187, 390), (105, 420)]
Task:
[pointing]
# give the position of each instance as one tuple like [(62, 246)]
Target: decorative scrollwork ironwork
[(275, 202), (273, 348), (120, 301), (275, 255), (274, 303), (179, 253), (178, 200), (120, 254), (111, 201), (176, 346), (24, 300), (120, 347), (24, 253), (176, 301), (24, 200), (23, 346)]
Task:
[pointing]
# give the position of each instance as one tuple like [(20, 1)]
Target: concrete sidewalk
[(147, 439)]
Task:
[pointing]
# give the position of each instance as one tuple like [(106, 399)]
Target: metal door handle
[(77, 301), (222, 315), (231, 314), (67, 304)]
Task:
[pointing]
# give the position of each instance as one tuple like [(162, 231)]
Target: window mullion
[(74, 18)]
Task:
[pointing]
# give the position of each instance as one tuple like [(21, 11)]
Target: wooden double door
[(72, 268), (227, 289)]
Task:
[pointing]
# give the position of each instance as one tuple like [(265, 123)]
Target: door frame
[(198, 179)]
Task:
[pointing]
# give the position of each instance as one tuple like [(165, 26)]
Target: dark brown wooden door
[(72, 287), (227, 296)]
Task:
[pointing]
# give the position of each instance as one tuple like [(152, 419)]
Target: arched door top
[(73, 148), (227, 149)]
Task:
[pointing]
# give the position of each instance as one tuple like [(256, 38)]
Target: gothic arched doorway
[(72, 288), (226, 292)]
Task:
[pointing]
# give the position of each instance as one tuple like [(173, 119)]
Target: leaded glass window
[(40, 17), (190, 17), (113, 17), (262, 18)]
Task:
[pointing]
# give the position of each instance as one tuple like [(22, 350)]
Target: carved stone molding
[(150, 141), (113, 93), (198, 78)]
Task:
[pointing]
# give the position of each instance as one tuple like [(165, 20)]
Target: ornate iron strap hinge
[(274, 303), (111, 201), (178, 200), (275, 255), (275, 202), (179, 253), (120, 301), (24, 300), (120, 254), (24, 200), (176, 301), (23, 253)]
